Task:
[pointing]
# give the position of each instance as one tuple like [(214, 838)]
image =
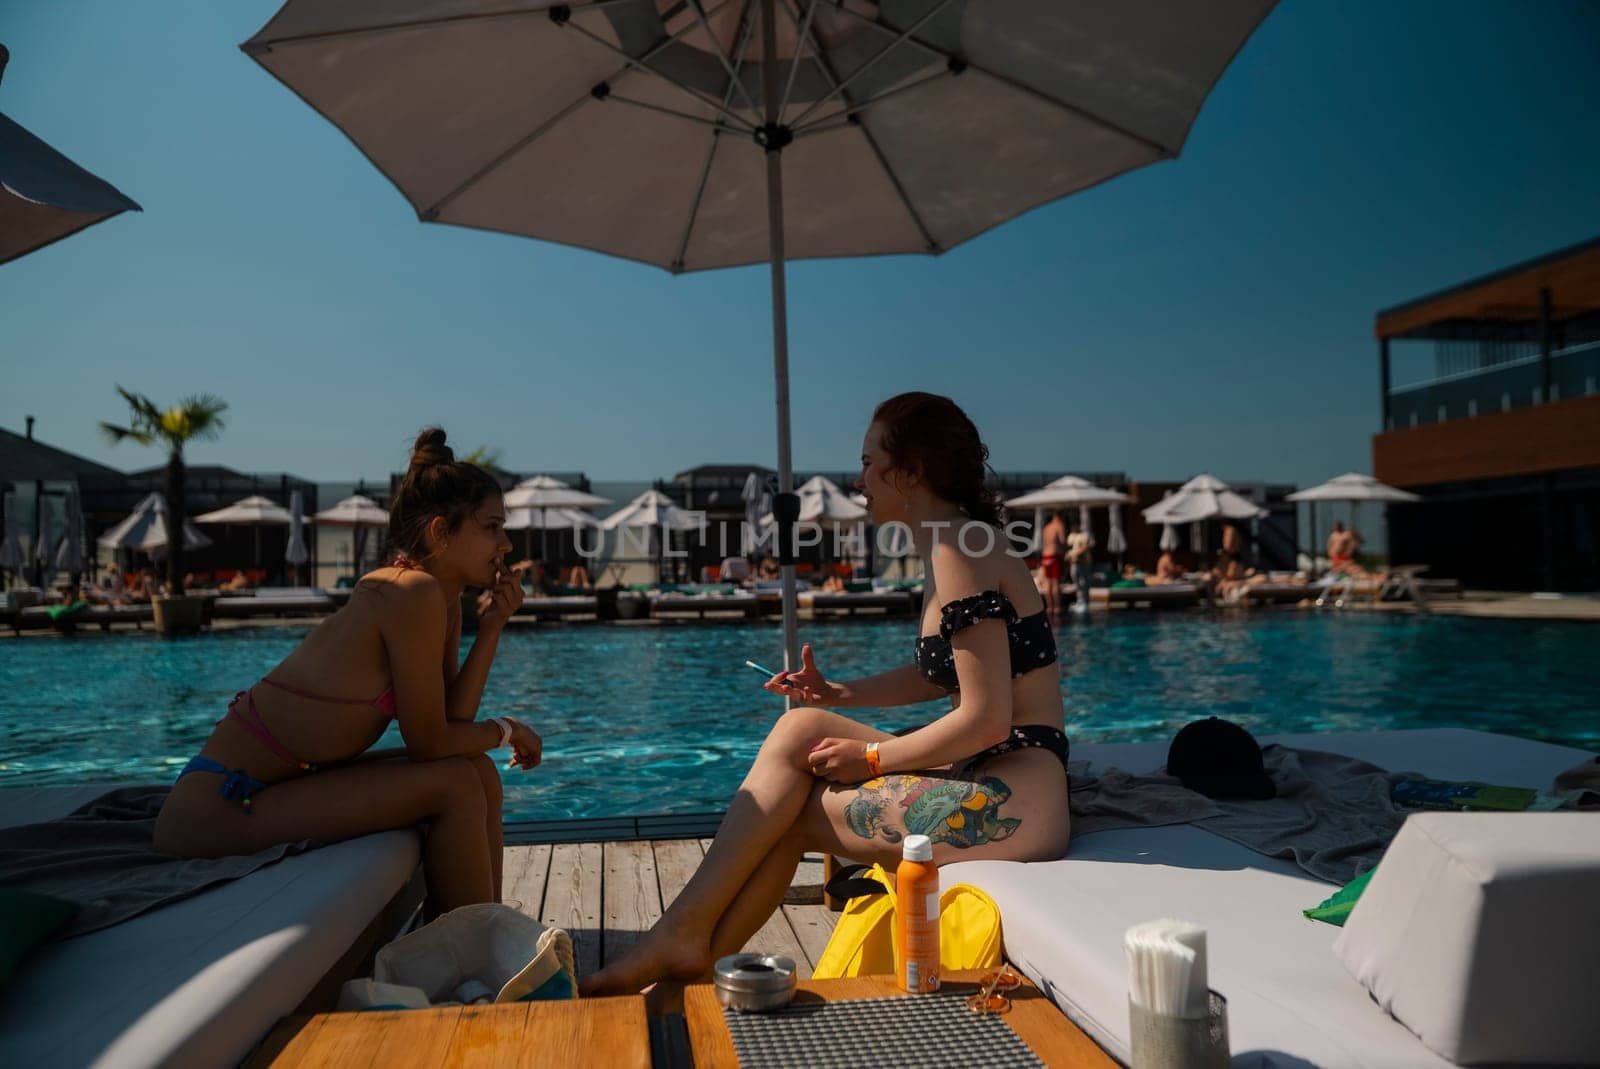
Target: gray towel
[(100, 857), (1332, 815)]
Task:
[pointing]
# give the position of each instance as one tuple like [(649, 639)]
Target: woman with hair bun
[(291, 760), (984, 779)]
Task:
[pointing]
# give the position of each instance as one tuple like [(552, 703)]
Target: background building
[(1502, 439)]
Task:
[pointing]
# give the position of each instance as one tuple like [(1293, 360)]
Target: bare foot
[(659, 956)]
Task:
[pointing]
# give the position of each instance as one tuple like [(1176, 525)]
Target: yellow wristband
[(874, 765)]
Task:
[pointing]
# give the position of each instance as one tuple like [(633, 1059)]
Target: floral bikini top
[(1032, 644)]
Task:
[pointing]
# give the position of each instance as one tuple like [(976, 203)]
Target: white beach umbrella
[(145, 529), (905, 127), (359, 513), (540, 495), (822, 502), (294, 554), (549, 520), (44, 196), (1355, 487), (253, 511), (1065, 491), (11, 555), (1204, 497), (69, 557), (653, 511), (1169, 537)]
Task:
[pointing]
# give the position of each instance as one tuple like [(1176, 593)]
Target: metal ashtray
[(753, 983)]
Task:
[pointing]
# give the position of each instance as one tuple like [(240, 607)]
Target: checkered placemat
[(877, 1033)]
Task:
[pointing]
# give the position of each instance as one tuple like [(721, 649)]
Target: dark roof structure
[(25, 459)]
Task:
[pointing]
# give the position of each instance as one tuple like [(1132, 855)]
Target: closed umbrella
[(1116, 541), (254, 511), (69, 557), (44, 541), (650, 129), (1169, 537), (44, 196), (543, 492), (294, 554), (11, 556), (757, 503)]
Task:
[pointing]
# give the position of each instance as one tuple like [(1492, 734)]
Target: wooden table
[(584, 1034), (1035, 1019)]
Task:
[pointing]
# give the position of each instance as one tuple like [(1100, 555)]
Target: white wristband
[(504, 724)]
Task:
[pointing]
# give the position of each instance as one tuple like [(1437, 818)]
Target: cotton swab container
[(1176, 1021)]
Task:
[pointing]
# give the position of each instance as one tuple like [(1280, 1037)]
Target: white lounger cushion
[(200, 982), (1481, 933), (1290, 1001)]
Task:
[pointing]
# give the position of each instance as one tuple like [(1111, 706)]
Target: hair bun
[(430, 449)]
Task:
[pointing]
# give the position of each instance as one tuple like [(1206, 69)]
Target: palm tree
[(193, 418)]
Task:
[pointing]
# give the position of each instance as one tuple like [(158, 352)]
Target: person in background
[(576, 575), (1168, 570), (1052, 558), (768, 569), (1341, 549), (1081, 560)]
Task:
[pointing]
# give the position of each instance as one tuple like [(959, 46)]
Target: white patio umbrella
[(649, 129), (543, 493), (757, 503), (357, 512), (253, 511), (1169, 537), (1205, 497), (11, 555), (44, 196), (1116, 541), (1354, 488), (1062, 493), (69, 556), (294, 553), (653, 511), (145, 529)]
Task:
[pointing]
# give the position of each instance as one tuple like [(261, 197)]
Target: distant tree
[(195, 418), (485, 458)]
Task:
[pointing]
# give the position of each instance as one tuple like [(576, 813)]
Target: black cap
[(1219, 759)]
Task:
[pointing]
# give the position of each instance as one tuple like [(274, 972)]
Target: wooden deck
[(607, 894)]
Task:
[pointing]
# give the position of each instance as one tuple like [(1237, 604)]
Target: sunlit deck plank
[(527, 871), (632, 896), (572, 899)]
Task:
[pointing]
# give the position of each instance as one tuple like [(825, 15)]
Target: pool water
[(666, 719)]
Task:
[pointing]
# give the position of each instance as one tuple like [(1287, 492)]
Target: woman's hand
[(807, 684), (527, 748), (840, 760), (497, 603)]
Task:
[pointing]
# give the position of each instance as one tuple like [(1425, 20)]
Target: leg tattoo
[(956, 812)]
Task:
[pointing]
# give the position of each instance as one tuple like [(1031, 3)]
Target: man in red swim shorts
[(1053, 546)]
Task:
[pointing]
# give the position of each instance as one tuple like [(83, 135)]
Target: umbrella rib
[(1082, 113), (801, 41), (711, 154), (255, 48), (722, 57), (872, 142), (875, 60), (715, 124), (432, 211), (640, 65)]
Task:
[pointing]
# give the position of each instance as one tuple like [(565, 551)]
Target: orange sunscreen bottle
[(916, 915)]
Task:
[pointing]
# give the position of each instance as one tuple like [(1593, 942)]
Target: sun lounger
[(558, 607), (666, 604), (200, 982), (879, 602), (1290, 1001), (1274, 593), (1160, 596), (270, 601)]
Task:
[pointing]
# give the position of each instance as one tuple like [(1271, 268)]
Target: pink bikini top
[(384, 702)]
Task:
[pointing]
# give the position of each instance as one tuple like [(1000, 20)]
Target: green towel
[(1337, 906), (1467, 794)]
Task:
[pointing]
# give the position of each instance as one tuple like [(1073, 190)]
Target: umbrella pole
[(776, 136)]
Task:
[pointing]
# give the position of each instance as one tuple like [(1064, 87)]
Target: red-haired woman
[(986, 779), (288, 761)]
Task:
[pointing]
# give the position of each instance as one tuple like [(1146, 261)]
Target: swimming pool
[(659, 719)]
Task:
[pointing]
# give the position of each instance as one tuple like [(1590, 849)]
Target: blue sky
[(1213, 313)]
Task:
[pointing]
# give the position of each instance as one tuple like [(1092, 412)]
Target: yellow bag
[(864, 941)]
